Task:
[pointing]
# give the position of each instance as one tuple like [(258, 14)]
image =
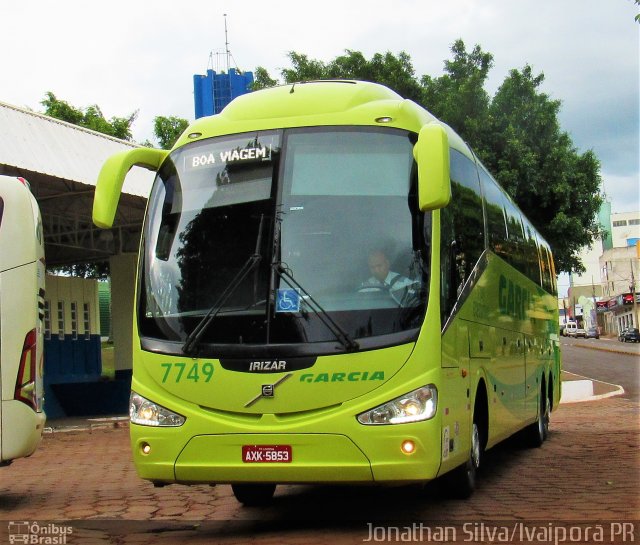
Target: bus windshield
[(281, 232)]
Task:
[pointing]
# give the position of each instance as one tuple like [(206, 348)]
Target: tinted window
[(462, 230), (466, 206), (531, 253), (515, 254), (494, 209), (547, 268)]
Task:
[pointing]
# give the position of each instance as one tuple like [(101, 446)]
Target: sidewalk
[(576, 388), (614, 346)]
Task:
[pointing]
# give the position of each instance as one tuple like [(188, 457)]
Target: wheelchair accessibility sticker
[(287, 300)]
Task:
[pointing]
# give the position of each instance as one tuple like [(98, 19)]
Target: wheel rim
[(543, 417), (475, 446), (546, 418)]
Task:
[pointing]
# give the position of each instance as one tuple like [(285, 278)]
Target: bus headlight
[(415, 406), (147, 413)]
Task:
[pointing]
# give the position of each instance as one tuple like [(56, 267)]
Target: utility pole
[(633, 295), (594, 316), (226, 44)]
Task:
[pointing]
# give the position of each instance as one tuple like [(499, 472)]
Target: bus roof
[(316, 103), (20, 226)]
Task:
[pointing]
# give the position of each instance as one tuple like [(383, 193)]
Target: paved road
[(605, 360), (586, 474)]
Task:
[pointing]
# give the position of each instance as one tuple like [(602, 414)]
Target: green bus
[(331, 289)]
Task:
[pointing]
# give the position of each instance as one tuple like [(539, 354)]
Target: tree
[(516, 134), (90, 117), (388, 69), (98, 269), (537, 164), (168, 130), (262, 80), (458, 97)]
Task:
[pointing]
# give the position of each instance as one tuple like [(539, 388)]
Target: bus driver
[(384, 279)]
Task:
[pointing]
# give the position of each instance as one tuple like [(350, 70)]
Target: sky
[(133, 55)]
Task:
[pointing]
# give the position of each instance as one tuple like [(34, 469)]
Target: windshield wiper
[(193, 339), (340, 334)]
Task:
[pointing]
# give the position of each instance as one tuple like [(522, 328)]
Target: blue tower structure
[(213, 91)]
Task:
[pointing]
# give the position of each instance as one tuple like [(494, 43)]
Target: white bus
[(22, 269)]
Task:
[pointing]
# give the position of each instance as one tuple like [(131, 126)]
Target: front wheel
[(461, 482), (253, 495)]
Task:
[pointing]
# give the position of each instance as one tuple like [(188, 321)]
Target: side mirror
[(111, 178), (431, 152)]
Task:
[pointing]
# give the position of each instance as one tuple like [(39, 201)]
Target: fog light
[(145, 448), (408, 447)]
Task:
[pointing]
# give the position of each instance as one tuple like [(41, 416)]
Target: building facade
[(604, 293)]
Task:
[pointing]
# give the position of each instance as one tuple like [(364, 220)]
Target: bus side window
[(515, 255), (447, 273), (466, 204), (546, 266), (462, 230), (532, 253), (494, 208)]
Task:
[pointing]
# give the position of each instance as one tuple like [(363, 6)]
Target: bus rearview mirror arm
[(111, 178), (431, 153)]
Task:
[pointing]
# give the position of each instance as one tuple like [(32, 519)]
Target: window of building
[(47, 320), (61, 320), (87, 321), (74, 320), (620, 223), (634, 222)]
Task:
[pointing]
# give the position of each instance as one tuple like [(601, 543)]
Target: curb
[(585, 389), (605, 349), (89, 425)]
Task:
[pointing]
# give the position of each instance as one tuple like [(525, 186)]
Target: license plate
[(266, 453)]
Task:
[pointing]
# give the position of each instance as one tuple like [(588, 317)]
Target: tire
[(253, 495), (535, 434), (461, 482)]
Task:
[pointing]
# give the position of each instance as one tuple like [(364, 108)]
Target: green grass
[(108, 363)]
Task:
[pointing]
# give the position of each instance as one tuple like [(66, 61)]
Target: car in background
[(592, 333), (570, 329), (629, 335)]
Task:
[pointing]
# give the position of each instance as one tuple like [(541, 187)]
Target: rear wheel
[(535, 434), (254, 494)]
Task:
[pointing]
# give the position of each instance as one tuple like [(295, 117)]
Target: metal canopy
[(61, 162)]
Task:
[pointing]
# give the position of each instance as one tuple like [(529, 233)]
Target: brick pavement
[(587, 471)]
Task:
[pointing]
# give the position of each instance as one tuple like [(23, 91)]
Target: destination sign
[(227, 156)]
